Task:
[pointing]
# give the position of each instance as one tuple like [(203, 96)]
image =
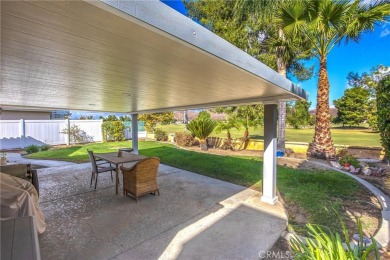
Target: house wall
[(27, 115)]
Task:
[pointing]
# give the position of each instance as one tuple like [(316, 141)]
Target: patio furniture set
[(19, 186), (138, 180)]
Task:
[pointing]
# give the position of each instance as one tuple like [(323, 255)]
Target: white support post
[(269, 160), (22, 133), (134, 132), (68, 136)]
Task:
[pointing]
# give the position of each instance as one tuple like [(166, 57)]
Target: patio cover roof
[(124, 56)]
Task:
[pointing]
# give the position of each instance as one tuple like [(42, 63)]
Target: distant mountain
[(332, 111), (178, 115)]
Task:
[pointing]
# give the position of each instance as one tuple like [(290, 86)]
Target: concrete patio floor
[(195, 217)]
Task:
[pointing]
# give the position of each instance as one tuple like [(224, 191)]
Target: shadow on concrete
[(13, 143), (86, 224)]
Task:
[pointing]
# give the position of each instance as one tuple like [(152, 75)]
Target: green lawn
[(315, 192), (342, 136)]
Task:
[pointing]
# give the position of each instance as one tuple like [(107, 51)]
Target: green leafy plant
[(298, 113), (113, 131), (184, 139), (32, 148), (227, 125), (151, 120), (328, 245), (44, 147), (346, 158), (383, 107), (160, 135), (202, 127)]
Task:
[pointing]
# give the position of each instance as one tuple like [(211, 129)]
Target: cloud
[(384, 33)]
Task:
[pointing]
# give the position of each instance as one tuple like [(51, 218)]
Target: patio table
[(115, 159)]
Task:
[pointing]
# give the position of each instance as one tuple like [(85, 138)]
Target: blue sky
[(372, 50)]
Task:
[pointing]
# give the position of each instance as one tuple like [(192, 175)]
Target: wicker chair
[(141, 179)]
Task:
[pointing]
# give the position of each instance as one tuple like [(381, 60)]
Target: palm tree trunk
[(282, 126), (322, 146), (282, 70), (185, 117)]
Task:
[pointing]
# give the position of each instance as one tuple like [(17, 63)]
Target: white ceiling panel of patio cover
[(124, 56)]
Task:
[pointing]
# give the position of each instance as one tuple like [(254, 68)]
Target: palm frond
[(201, 127)]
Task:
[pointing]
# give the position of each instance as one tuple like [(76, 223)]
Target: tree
[(202, 127), (84, 117), (110, 118), (288, 52), (325, 24), (151, 120), (383, 104), (298, 113), (227, 125), (125, 118), (248, 116), (370, 82), (352, 108)]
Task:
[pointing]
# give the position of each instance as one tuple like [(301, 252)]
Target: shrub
[(184, 139), (160, 135), (345, 157), (113, 131), (44, 147), (202, 127), (383, 107), (77, 135), (151, 120), (32, 148)]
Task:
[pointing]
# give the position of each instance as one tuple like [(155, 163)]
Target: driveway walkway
[(195, 217), (17, 158)]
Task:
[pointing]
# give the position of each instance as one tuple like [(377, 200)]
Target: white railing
[(21, 133)]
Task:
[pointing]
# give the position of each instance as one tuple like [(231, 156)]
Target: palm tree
[(325, 24), (202, 127), (288, 52), (227, 125), (249, 116)]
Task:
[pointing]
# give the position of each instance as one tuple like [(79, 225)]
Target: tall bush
[(113, 131), (383, 106), (184, 139), (160, 135), (202, 127), (151, 120)]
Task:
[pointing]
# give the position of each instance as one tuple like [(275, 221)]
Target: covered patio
[(133, 57), (139, 57), (195, 217)]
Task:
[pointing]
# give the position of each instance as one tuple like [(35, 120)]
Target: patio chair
[(141, 179), (98, 167)]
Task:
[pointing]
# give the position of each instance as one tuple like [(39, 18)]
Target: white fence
[(21, 133)]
